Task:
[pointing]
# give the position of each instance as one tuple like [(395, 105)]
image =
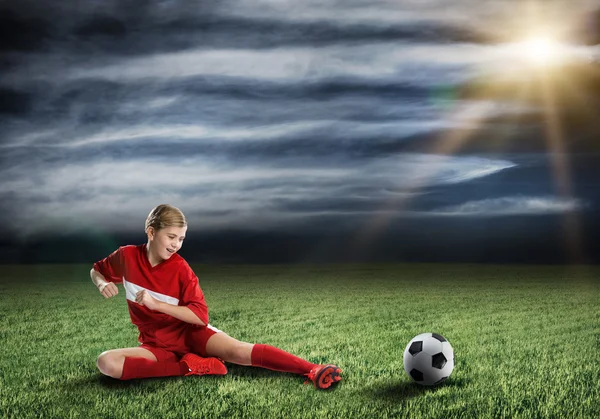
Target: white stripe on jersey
[(131, 289)]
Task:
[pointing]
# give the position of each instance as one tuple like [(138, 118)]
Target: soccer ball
[(428, 359)]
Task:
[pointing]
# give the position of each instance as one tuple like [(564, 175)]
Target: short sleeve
[(112, 266), (193, 297)]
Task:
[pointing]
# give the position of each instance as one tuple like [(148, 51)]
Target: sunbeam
[(446, 146), (560, 165)]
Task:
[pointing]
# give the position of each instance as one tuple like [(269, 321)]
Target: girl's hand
[(145, 299), (108, 290)]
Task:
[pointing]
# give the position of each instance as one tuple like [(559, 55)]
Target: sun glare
[(540, 50)]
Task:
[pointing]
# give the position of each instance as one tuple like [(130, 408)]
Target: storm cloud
[(301, 121)]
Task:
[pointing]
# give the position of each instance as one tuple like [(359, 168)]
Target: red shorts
[(196, 338)]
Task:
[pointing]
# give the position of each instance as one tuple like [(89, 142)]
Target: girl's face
[(165, 242)]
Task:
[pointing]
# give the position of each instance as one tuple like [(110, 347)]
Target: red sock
[(275, 359), (135, 367)]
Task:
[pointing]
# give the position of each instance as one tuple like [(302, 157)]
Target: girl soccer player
[(167, 305)]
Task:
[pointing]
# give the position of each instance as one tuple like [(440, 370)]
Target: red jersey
[(171, 281)]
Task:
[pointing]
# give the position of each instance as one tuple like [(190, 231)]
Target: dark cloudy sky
[(322, 130)]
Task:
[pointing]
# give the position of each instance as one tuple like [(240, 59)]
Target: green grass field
[(526, 342)]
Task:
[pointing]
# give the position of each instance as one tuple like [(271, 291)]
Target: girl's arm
[(107, 289), (182, 313)]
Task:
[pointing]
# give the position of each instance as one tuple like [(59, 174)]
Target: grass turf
[(526, 342)]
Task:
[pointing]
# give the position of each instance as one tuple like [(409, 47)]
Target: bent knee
[(110, 364)]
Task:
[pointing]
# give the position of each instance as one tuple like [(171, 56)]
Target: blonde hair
[(165, 215)]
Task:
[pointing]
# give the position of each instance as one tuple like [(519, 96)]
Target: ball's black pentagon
[(438, 337), (440, 380), (415, 347), (438, 361), (416, 375)]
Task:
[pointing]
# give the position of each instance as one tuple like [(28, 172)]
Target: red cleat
[(323, 376), (203, 366)]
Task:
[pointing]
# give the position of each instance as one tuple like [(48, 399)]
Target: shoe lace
[(199, 369)]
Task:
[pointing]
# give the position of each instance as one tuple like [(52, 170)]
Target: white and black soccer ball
[(428, 359)]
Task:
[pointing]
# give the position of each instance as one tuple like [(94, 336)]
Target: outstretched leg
[(242, 353), (259, 355)]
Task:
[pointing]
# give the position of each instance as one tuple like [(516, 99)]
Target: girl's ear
[(150, 233)]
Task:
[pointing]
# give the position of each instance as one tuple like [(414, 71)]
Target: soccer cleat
[(204, 366), (323, 376)]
